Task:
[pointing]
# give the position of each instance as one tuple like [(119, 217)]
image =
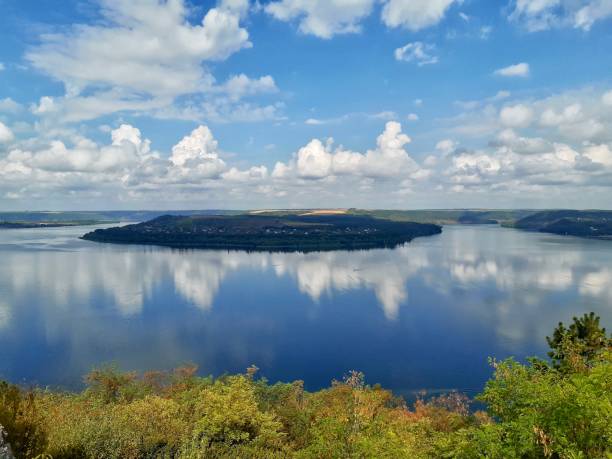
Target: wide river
[(426, 315)]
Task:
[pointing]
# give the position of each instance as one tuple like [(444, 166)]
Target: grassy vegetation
[(556, 409)]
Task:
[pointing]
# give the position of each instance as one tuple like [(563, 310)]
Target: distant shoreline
[(34, 225)]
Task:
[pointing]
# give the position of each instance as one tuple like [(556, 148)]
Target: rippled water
[(422, 316)]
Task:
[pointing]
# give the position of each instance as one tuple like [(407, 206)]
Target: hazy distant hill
[(451, 216), (106, 216), (583, 223), (264, 232)]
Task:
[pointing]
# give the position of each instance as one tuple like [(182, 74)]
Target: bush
[(21, 420), (558, 409)]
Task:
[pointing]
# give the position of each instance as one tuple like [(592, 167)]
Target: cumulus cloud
[(314, 160), (540, 147), (516, 70), (599, 154), (197, 156), (414, 15), (45, 105), (319, 160), (545, 14), (519, 115), (326, 18), (240, 86), (526, 146), (6, 135), (8, 105), (125, 168), (416, 52), (569, 114), (142, 55), (322, 18), (446, 146)]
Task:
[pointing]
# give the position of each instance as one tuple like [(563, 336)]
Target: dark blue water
[(423, 316)]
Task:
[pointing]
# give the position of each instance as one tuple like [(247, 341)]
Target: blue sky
[(305, 103)]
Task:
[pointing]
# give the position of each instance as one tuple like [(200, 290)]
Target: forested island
[(305, 232), (555, 408), (582, 223)]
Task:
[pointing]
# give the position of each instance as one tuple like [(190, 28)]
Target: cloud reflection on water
[(128, 277), (488, 290)]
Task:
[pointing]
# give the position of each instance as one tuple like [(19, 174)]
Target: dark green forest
[(267, 232)]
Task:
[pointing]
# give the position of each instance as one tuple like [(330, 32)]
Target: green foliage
[(544, 411), (21, 420), (228, 413), (577, 346), (536, 410)]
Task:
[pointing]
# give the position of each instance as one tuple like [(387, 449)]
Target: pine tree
[(579, 344)]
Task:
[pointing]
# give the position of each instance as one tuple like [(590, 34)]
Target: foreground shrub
[(561, 409), (21, 420)]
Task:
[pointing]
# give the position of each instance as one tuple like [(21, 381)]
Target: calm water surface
[(423, 316)]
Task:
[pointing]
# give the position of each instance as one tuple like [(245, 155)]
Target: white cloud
[(6, 135), (516, 70), (607, 98), (314, 122), (570, 114), (2, 67), (414, 15), (196, 155), (223, 111), (412, 117), (45, 105), (416, 52), (255, 173), (446, 146), (526, 147), (600, 154), (314, 160), (142, 55), (326, 18), (318, 160), (240, 86), (126, 152), (322, 18), (389, 158), (501, 95), (384, 115), (519, 115), (538, 15), (8, 105)]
